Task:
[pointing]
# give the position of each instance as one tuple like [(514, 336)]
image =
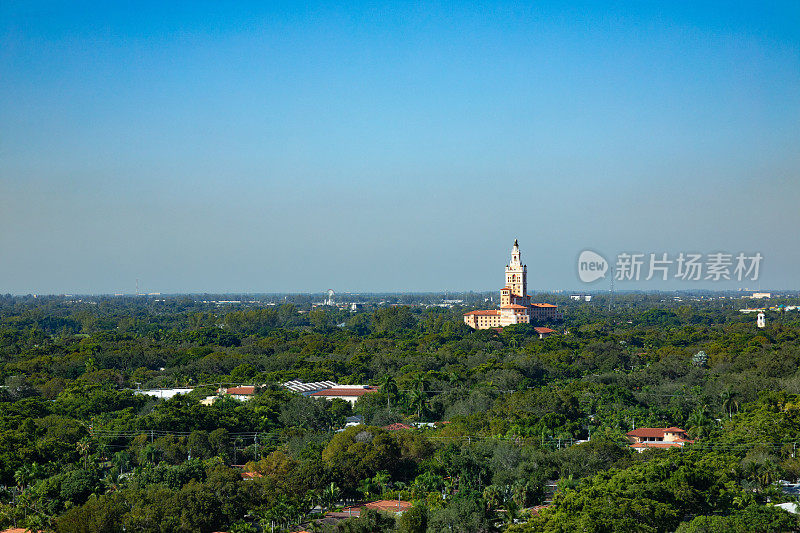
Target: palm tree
[(699, 422), (366, 487), (768, 474), (417, 395), (453, 379), (419, 382), (511, 513), (102, 449), (750, 470), (417, 401), (729, 403), (382, 479), (121, 460), (330, 495), (744, 499), (389, 387), (26, 474), (238, 442), (493, 496), (519, 493), (83, 449), (150, 453)]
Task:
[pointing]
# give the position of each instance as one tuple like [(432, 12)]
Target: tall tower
[(517, 275)]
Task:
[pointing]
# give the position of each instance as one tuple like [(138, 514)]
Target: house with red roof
[(644, 438), (397, 507), (348, 393), (241, 393), (244, 392), (397, 426)]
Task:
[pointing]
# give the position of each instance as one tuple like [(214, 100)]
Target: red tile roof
[(337, 392), (543, 305), (397, 426), (512, 306), (653, 432), (387, 506), (247, 390), (484, 312), (250, 475), (544, 330)]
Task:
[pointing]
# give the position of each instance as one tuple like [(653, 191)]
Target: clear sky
[(214, 146)]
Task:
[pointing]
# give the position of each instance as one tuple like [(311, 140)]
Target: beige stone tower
[(516, 278), (515, 304)]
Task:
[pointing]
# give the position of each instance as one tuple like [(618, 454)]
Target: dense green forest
[(517, 422)]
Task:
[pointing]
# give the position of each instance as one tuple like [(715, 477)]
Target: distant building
[(353, 420), (397, 507), (579, 297), (164, 394), (397, 426), (757, 295), (348, 393), (790, 507), (515, 302), (241, 393), (545, 311), (643, 438), (307, 388)]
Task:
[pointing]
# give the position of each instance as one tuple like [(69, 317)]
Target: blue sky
[(379, 147)]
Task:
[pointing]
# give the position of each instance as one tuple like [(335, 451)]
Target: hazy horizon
[(373, 148), (342, 295)]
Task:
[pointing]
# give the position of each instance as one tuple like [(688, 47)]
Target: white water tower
[(760, 320), (329, 300)]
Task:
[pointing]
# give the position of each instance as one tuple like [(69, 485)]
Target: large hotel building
[(515, 302)]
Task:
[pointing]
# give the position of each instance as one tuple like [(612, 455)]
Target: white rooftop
[(296, 385)]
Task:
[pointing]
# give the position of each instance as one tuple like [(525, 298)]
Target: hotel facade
[(515, 302)]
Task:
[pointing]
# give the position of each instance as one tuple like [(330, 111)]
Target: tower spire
[(516, 257), (516, 277)]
